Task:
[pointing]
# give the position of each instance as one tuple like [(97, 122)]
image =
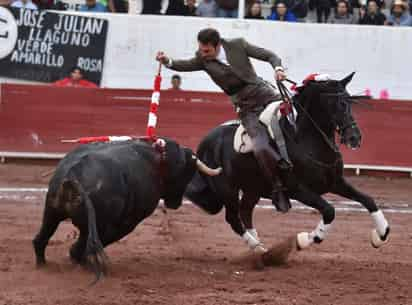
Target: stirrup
[(285, 165)]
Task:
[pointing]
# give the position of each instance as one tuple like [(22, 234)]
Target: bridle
[(286, 97), (343, 98)]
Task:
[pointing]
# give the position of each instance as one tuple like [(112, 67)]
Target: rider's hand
[(280, 75), (162, 58)]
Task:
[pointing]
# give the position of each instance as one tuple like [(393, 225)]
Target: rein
[(285, 94)]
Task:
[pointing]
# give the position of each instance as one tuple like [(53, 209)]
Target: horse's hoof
[(317, 240), (259, 249), (376, 240), (40, 264), (303, 240)]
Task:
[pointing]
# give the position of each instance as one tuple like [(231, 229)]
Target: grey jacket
[(237, 52), (348, 19)]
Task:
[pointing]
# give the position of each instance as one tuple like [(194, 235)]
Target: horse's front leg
[(309, 198), (379, 235)]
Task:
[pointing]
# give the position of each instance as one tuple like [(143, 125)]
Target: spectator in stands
[(364, 3), (207, 8), (118, 6), (58, 6), (191, 7), (399, 14), (342, 14), (76, 79), (176, 82), (44, 4), (373, 15), (227, 8), (362, 11), (254, 11), (323, 8), (280, 13), (299, 8), (176, 8), (152, 7), (179, 8), (93, 6), (26, 4)]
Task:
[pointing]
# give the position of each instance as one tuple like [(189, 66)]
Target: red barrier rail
[(35, 118)]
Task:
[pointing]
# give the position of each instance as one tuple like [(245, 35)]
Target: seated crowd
[(367, 12)]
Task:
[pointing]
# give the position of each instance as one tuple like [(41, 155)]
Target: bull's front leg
[(51, 220), (77, 250), (379, 235)]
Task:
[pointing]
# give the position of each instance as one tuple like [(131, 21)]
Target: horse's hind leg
[(379, 235), (309, 198), (247, 204), (233, 218)]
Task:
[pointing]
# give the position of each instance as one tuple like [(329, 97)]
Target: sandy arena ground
[(197, 259)]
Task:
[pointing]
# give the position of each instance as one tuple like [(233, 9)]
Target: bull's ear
[(345, 81)]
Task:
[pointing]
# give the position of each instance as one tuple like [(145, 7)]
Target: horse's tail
[(200, 192), (208, 192)]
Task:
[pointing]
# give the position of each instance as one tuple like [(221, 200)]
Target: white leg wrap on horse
[(380, 222), (250, 240), (304, 240), (253, 232), (320, 231)]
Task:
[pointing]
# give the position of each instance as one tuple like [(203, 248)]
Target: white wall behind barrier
[(379, 55)]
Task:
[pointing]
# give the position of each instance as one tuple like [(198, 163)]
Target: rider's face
[(208, 51)]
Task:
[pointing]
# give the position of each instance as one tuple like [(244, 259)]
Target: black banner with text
[(44, 46)]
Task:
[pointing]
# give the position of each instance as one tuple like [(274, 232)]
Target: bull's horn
[(207, 170)]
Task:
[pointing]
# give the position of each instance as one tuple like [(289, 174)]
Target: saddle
[(269, 117)]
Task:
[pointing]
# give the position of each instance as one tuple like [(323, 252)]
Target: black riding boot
[(268, 159), (270, 165), (279, 198)]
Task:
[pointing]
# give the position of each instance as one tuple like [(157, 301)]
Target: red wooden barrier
[(36, 118)]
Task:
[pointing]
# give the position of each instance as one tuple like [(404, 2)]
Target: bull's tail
[(94, 253)]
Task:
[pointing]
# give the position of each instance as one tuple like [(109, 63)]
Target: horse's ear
[(347, 79)]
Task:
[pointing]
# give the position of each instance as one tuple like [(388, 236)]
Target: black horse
[(323, 108)]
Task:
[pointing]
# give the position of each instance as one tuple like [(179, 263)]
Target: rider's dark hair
[(209, 36)]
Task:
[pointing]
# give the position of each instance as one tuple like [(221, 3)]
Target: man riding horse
[(228, 64)]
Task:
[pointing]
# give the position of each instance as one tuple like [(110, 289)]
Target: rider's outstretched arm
[(193, 64), (262, 54)]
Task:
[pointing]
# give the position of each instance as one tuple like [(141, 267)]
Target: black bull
[(106, 189)]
